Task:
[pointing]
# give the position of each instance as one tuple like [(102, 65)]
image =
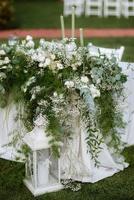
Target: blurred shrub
[(6, 14)]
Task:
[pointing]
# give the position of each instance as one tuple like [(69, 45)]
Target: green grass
[(118, 187), (45, 14)]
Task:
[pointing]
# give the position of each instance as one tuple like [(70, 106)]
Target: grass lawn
[(118, 187), (45, 14)]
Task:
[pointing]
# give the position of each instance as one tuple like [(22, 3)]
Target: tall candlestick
[(81, 37), (73, 22), (62, 27)]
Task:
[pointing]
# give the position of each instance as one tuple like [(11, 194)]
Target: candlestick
[(73, 22), (81, 37), (62, 27)]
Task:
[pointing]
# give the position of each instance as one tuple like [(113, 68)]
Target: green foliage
[(110, 119)]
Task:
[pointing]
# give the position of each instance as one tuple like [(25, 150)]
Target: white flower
[(41, 64), (98, 81), (40, 58), (41, 121), (23, 42), (12, 42), (1, 62), (70, 47), (29, 37), (33, 97), (47, 62), (84, 79), (94, 91), (2, 52), (31, 52), (52, 56), (74, 67), (69, 84), (55, 94), (6, 61), (42, 42), (61, 96), (30, 44), (59, 66), (2, 75)]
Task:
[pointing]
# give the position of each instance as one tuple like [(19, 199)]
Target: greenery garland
[(46, 76)]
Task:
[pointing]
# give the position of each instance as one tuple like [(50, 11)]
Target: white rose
[(2, 52), (69, 84), (29, 37), (94, 91), (84, 79)]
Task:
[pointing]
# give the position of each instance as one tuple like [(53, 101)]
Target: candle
[(62, 27), (73, 21), (81, 37)]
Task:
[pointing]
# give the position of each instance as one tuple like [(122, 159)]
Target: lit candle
[(62, 27), (73, 21), (81, 37)]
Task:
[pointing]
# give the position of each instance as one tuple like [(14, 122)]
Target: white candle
[(81, 37), (73, 22), (62, 27)]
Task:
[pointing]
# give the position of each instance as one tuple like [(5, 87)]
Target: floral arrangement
[(52, 78)]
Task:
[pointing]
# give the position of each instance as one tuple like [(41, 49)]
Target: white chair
[(127, 8), (96, 51), (79, 7), (112, 8), (68, 7), (94, 7)]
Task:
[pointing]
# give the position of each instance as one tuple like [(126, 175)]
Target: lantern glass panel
[(54, 169), (29, 168), (47, 168)]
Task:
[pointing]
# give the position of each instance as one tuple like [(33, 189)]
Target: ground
[(118, 187)]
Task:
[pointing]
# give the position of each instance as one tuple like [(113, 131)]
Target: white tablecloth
[(76, 162)]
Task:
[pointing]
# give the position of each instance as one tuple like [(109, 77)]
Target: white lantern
[(42, 169)]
